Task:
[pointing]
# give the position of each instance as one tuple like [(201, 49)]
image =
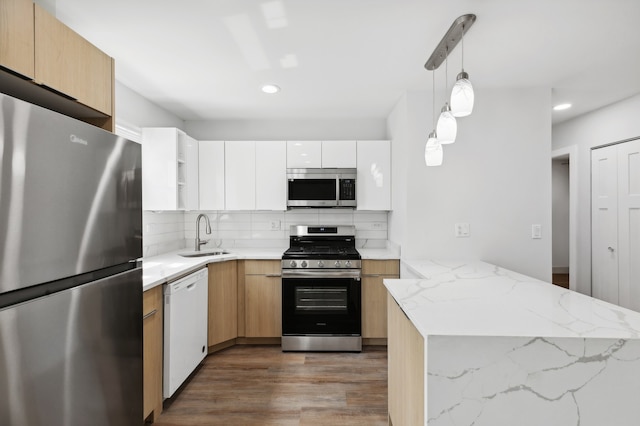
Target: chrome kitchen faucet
[(207, 230)]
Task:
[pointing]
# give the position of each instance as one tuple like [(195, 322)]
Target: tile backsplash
[(167, 231)]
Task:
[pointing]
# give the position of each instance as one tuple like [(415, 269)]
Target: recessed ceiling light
[(270, 88), (561, 107)]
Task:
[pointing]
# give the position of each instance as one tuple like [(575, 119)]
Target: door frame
[(572, 153)]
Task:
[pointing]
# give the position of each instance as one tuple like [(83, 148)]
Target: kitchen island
[(476, 344)]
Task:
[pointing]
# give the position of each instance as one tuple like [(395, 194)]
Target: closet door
[(629, 224), (604, 224)]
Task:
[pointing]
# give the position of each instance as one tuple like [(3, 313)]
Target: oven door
[(322, 302)]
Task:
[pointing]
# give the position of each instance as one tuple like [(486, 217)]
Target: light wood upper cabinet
[(223, 302), (374, 296), (152, 333), (70, 65), (263, 298), (17, 36)]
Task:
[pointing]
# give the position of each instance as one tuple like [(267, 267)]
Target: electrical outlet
[(461, 230), (275, 225), (536, 231)]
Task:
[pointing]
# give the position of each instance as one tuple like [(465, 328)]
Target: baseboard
[(560, 269), (221, 346), (259, 341), (381, 341)]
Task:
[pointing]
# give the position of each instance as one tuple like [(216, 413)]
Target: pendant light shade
[(447, 127), (433, 151), (462, 93), (462, 96)]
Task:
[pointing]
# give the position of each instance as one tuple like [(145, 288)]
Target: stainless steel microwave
[(321, 188)]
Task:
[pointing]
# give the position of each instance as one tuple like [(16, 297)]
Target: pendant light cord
[(433, 98), (446, 73), (462, 45)]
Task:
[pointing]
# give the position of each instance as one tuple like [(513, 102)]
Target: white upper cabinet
[(240, 175), (339, 154), (373, 190), (271, 177), (169, 169), (304, 154), (211, 173)]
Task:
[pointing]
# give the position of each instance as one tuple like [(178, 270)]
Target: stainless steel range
[(321, 295)]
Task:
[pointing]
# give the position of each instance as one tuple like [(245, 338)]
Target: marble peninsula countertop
[(477, 298), (166, 267), (504, 349)]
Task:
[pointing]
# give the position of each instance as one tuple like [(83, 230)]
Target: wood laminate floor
[(261, 385), (561, 280)]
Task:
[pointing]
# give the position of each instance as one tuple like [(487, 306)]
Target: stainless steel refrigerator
[(70, 286)]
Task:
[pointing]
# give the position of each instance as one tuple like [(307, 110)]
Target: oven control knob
[(293, 264), (337, 263), (348, 264), (320, 264), (303, 264)]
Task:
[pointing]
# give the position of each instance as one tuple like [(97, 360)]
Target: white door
[(303, 154), (339, 154), (211, 172), (629, 224), (240, 175), (271, 175), (604, 224), (374, 175)]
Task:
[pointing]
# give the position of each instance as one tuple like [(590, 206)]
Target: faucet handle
[(202, 242)]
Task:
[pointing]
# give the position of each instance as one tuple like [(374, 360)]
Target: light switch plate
[(275, 225), (536, 231), (461, 230)]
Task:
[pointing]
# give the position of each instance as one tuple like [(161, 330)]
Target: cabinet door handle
[(273, 275), (150, 314), (611, 249)]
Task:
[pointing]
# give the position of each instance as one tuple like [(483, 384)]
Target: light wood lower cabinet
[(374, 296), (406, 369), (262, 298), (152, 351), (223, 302)]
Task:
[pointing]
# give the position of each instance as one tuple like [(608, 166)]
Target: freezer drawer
[(185, 328), (75, 357)]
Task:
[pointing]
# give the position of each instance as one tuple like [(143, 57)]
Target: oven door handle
[(323, 273)]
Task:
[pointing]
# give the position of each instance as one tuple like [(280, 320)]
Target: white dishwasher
[(185, 328)]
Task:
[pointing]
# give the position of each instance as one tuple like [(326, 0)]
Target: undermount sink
[(217, 252)]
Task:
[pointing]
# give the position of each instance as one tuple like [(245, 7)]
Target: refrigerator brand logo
[(76, 139)]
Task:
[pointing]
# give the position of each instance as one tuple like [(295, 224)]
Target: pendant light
[(433, 150), (447, 127), (462, 96)]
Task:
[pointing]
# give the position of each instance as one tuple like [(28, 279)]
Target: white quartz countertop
[(480, 299), (170, 266), (379, 254), (167, 267)]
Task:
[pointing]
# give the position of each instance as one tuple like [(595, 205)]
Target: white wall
[(610, 124), (398, 133), (560, 215), (136, 111), (300, 129), (496, 177), (164, 231)]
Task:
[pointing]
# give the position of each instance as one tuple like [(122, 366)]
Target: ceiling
[(207, 59)]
